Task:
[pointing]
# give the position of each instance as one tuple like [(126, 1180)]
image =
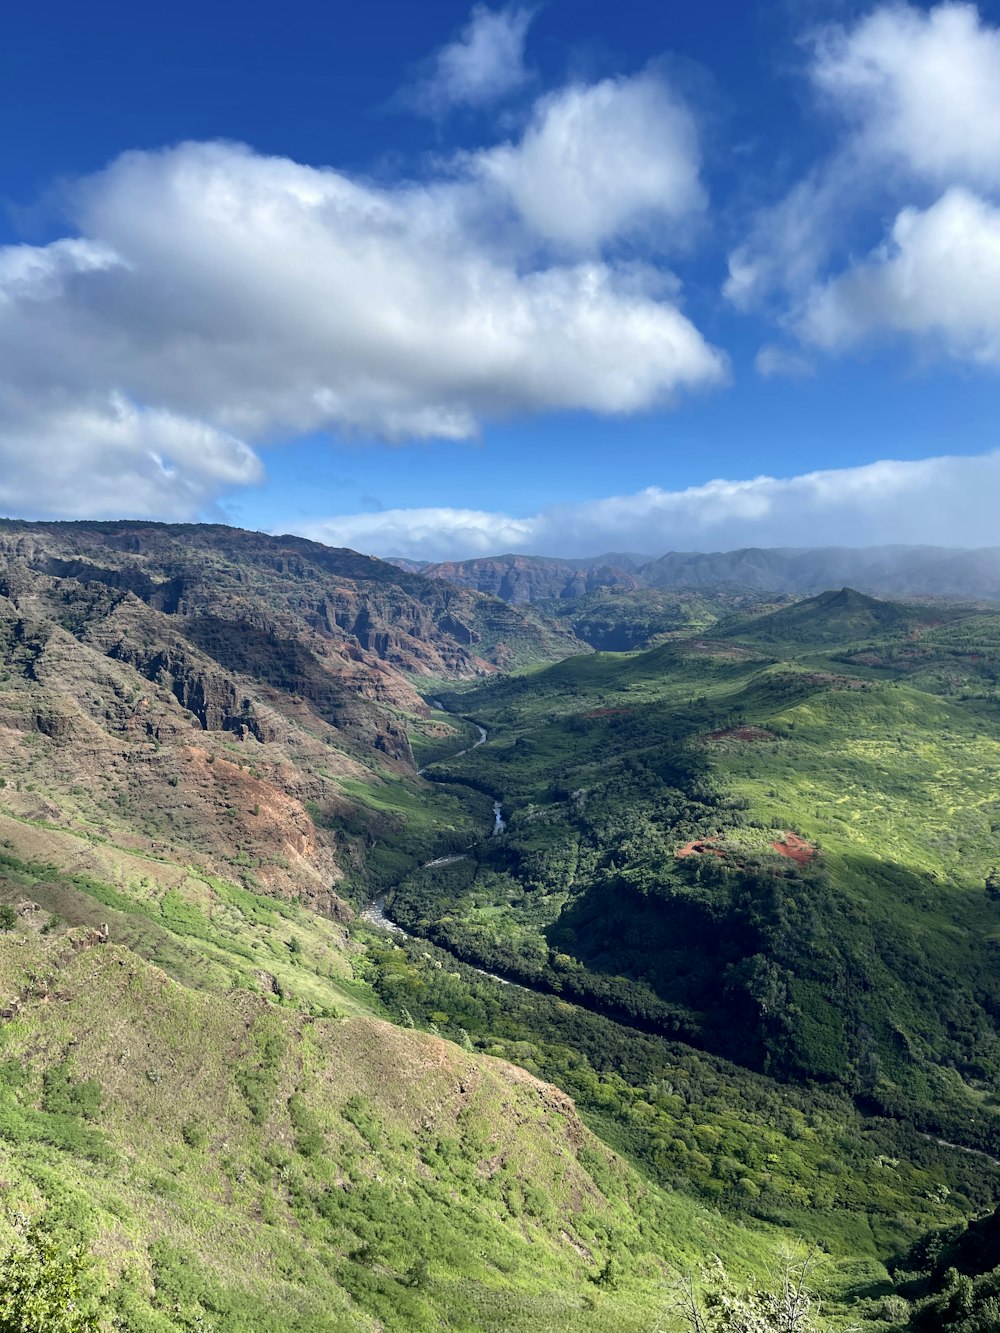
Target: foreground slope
[(251, 1167)]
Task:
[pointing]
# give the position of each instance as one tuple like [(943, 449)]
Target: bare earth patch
[(700, 847), (795, 848)]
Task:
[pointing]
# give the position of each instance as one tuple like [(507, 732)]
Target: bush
[(47, 1286)]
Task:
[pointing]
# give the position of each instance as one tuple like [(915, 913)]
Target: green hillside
[(835, 617), (247, 1098), (610, 768), (778, 859)]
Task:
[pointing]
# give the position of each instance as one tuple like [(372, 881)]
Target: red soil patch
[(700, 847), (608, 712), (795, 848), (742, 734)]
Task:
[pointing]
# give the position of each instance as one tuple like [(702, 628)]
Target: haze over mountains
[(888, 571)]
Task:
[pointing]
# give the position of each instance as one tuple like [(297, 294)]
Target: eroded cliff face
[(151, 746), (196, 692), (360, 609)]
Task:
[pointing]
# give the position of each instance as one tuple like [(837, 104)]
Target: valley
[(379, 955)]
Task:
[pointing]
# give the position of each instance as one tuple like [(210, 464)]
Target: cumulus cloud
[(938, 501), (919, 89), (106, 458), (598, 161), (247, 299), (938, 277), (915, 92), (484, 64)]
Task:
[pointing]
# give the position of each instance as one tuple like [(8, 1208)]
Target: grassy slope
[(340, 1154)]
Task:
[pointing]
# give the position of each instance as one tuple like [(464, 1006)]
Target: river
[(374, 911)]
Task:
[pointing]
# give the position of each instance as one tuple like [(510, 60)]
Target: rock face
[(363, 610), (201, 689)]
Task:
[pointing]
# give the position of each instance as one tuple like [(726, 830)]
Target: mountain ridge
[(881, 570)]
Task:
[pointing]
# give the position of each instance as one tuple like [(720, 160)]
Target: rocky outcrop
[(369, 611)]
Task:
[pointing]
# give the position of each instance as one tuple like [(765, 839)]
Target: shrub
[(46, 1286)]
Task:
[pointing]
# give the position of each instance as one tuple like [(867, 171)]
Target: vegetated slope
[(780, 860), (237, 1163), (615, 621), (196, 782), (180, 1116), (953, 1278), (208, 786), (833, 618)]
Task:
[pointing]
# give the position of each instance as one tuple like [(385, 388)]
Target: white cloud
[(255, 299), (916, 92), (919, 89), (937, 278), (39, 272), (107, 458), (945, 501), (598, 161), (433, 533), (484, 64)]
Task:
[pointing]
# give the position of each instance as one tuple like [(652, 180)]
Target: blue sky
[(445, 281)]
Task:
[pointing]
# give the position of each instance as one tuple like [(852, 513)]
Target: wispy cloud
[(949, 501), (782, 362), (484, 64)]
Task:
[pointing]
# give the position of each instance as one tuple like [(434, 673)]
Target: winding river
[(373, 913)]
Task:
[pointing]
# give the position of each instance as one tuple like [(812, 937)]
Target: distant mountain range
[(893, 571)]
